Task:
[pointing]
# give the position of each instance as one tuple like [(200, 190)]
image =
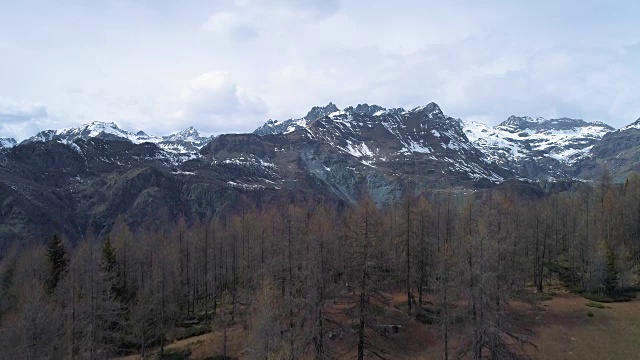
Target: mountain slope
[(536, 148), (69, 180), (67, 188), (382, 152), (533, 148), (618, 152)]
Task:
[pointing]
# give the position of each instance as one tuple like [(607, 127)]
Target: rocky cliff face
[(366, 148), (618, 153)]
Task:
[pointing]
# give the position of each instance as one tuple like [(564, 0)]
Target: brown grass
[(568, 333), (564, 331)]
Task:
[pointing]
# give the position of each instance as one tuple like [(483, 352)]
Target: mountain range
[(69, 180)]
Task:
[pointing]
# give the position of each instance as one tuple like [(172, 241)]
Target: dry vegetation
[(486, 274), (563, 331)]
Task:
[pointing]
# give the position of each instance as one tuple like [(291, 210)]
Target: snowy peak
[(280, 127), (185, 143), (96, 129), (430, 109), (532, 147), (633, 125), (526, 123), (321, 111), (287, 126), (536, 147), (365, 109), (6, 143), (380, 138), (520, 122), (331, 110), (188, 134)]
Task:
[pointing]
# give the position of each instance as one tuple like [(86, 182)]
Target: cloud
[(19, 117), (214, 103), (307, 9), (246, 19), (231, 25), (137, 63), (470, 78), (14, 111)]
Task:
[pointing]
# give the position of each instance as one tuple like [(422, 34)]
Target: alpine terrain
[(84, 177)]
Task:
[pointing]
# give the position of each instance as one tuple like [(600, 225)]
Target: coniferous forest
[(302, 279)]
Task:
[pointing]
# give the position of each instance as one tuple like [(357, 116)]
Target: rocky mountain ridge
[(186, 142), (69, 180), (531, 148)]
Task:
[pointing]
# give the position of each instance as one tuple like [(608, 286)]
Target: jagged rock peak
[(518, 121), (633, 125), (430, 108), (190, 131), (320, 111), (365, 109)]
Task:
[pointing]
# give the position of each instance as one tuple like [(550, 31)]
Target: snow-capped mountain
[(333, 154), (366, 148), (379, 137), (287, 126), (536, 147), (185, 142), (7, 143)]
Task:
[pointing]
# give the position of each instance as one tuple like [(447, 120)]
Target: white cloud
[(486, 61), (231, 25), (12, 110), (214, 103), (247, 19), (18, 118)]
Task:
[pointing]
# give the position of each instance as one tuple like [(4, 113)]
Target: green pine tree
[(57, 258), (108, 256), (611, 276), (108, 267)]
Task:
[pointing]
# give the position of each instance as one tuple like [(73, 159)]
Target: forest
[(311, 280)]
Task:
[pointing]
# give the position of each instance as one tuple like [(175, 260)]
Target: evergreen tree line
[(461, 260)]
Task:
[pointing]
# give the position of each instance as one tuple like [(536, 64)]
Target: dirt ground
[(569, 333), (563, 331)]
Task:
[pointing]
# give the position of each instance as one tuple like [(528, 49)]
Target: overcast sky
[(228, 66)]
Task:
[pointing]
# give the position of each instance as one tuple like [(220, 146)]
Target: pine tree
[(108, 256), (57, 258), (108, 264), (611, 276)]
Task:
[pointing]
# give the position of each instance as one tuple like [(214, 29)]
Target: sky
[(230, 65)]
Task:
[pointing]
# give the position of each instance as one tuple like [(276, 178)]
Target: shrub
[(610, 298), (596, 305), (175, 354), (185, 333)]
